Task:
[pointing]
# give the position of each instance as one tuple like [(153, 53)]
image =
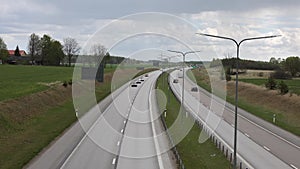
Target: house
[(12, 52), (17, 56)]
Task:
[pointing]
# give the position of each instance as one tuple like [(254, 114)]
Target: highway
[(120, 137), (260, 144)]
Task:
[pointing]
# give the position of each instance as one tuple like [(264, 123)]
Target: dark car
[(146, 75), (134, 85), (175, 81), (194, 89), (138, 82)]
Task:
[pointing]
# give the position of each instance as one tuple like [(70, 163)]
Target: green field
[(294, 85), (193, 154), (23, 136), (19, 80), (16, 81), (287, 116)]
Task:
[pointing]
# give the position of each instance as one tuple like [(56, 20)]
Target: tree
[(271, 84), (34, 46), (273, 60), (291, 64), (17, 51), (3, 51), (57, 54), (99, 52), (71, 48), (45, 48), (283, 88)]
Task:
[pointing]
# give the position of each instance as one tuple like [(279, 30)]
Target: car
[(146, 75), (194, 89), (138, 82), (175, 81), (134, 85), (142, 80)]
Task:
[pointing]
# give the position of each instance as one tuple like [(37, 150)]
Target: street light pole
[(168, 58), (236, 82), (183, 55)]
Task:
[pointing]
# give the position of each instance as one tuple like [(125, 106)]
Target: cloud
[(238, 19)]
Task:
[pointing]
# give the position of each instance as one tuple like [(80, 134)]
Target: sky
[(128, 27)]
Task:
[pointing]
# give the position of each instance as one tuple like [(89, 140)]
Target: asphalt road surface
[(120, 137), (260, 143)]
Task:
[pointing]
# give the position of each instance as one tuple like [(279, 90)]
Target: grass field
[(261, 102), (30, 120), (294, 85), (19, 80), (193, 154), (35, 114)]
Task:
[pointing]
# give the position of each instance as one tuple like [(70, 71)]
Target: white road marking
[(270, 132), (113, 161), (124, 121), (247, 135), (232, 125), (122, 130), (266, 148), (294, 167), (118, 144)]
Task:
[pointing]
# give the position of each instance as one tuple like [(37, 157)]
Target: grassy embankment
[(193, 154), (260, 101), (35, 108)]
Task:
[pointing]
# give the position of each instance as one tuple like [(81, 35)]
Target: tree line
[(284, 68), (47, 51)]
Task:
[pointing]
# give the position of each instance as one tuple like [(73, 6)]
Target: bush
[(65, 84), (228, 73), (271, 83), (280, 74), (260, 74), (283, 88), (70, 82)]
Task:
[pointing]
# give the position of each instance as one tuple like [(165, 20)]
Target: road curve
[(258, 156)]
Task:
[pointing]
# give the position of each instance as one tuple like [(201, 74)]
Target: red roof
[(12, 52)]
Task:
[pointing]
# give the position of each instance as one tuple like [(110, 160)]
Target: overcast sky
[(174, 27)]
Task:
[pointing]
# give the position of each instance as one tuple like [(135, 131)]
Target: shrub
[(228, 73), (70, 82), (280, 74), (65, 84), (283, 88), (271, 83), (260, 74)]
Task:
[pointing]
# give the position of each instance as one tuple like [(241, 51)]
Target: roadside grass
[(294, 84), (21, 140), (193, 154), (261, 102), (19, 80), (19, 147)]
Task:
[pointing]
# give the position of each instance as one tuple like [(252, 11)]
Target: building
[(12, 52)]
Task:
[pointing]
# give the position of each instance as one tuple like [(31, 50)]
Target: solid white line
[(294, 167), (159, 159), (86, 134), (270, 132), (266, 148), (113, 161)]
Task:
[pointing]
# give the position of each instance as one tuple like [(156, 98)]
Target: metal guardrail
[(174, 149)]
